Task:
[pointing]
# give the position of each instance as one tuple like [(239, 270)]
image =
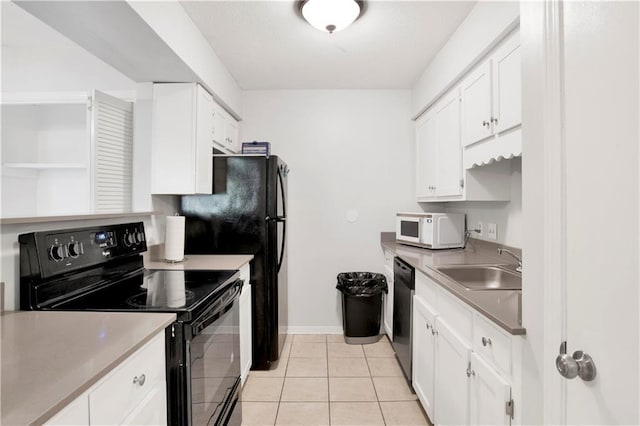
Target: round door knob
[(486, 341), (579, 364), (56, 253), (567, 366)]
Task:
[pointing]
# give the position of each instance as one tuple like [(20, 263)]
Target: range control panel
[(61, 251)]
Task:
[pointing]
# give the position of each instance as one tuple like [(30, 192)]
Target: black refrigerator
[(246, 214)]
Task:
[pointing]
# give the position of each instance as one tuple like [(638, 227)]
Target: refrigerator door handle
[(277, 219)]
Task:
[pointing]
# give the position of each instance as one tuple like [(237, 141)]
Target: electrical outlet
[(492, 231), (479, 229)]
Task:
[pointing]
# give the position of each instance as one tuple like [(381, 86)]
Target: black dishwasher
[(403, 289)]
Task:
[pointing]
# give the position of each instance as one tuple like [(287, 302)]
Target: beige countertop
[(154, 259), (51, 358), (503, 307)]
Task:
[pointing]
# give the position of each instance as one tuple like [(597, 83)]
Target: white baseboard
[(309, 329)]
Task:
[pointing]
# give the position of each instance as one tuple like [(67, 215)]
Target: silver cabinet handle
[(494, 120), (139, 380), (434, 332), (485, 124), (428, 326), (579, 364), (470, 372), (486, 341)]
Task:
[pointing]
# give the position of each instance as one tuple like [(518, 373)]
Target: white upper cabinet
[(181, 153), (225, 131), (439, 159), (491, 94), (507, 83), (476, 105), (449, 154), (426, 154), (492, 106)]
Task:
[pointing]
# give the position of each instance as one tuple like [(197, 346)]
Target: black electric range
[(101, 269)]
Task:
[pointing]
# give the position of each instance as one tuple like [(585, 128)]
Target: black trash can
[(361, 305)]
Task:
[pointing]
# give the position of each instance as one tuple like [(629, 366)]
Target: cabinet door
[(489, 394), (452, 383), (476, 105), (449, 155), (152, 411), (218, 129), (388, 304), (204, 152), (424, 347), (507, 93), (426, 155), (231, 135)]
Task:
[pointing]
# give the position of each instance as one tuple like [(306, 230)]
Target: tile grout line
[(326, 354), (384, 421)]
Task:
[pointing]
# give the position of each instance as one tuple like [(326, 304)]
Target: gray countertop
[(51, 358), (154, 259), (503, 307)]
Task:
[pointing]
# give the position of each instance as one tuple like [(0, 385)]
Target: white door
[(507, 77), (426, 155), (449, 167), (592, 190), (489, 394), (424, 346), (452, 382), (601, 125), (476, 105)]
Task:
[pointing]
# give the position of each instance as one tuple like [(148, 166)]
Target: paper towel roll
[(174, 239)]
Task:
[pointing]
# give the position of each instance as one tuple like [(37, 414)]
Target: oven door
[(213, 354)]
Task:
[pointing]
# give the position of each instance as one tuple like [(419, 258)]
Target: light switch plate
[(492, 231), (479, 228)]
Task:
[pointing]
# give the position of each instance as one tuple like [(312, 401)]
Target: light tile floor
[(320, 380)]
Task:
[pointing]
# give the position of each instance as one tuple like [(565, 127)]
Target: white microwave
[(431, 230)]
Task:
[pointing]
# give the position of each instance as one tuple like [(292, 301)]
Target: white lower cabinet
[(387, 318), (489, 394), (451, 379), (133, 393), (245, 324), (424, 352), (465, 370)]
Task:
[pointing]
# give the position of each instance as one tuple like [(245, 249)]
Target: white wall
[(506, 215), (347, 150)]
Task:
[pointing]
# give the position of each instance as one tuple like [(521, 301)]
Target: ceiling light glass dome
[(330, 15)]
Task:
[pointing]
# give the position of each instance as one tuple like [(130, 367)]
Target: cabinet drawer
[(426, 289), (497, 346), (454, 313), (118, 395)]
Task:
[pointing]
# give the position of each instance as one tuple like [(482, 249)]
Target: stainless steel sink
[(475, 277)]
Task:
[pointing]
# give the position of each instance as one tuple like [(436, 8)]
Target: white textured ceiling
[(266, 45)]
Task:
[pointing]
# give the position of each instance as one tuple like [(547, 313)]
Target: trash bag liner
[(362, 283)]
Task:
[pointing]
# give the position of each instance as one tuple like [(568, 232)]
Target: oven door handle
[(207, 319)]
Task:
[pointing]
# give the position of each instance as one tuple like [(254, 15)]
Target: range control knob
[(75, 249), (56, 252), (128, 239), (138, 237)]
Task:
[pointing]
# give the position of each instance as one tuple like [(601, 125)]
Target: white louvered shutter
[(112, 134)]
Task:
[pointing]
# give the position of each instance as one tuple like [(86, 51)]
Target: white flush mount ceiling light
[(331, 15)]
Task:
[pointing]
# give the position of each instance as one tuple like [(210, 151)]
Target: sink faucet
[(519, 259)]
